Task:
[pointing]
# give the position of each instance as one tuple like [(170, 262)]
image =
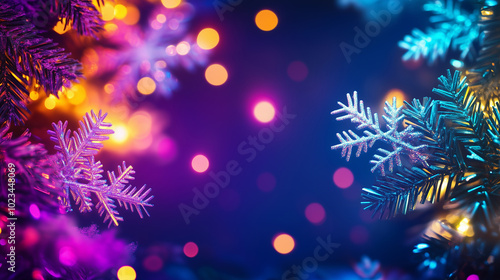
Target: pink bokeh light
[(190, 249), (315, 213), (200, 163), (343, 178)]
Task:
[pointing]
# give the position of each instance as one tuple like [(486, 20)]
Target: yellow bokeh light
[(266, 20), (107, 11), (283, 243), (161, 18), (216, 74), (60, 27), (183, 48), (171, 3), (110, 27), (133, 15), (79, 95), (126, 273), (146, 86), (120, 135), (463, 226), (34, 95), (400, 97), (120, 11), (50, 102), (208, 39)]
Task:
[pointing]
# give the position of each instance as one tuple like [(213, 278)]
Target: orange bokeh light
[(216, 74), (283, 243), (266, 20)]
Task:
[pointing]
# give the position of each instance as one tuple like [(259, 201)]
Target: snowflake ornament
[(80, 175), (400, 140)]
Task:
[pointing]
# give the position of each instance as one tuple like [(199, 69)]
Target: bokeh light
[(76, 94), (35, 211), (283, 243), (200, 163), (146, 86), (126, 273), (264, 112), (50, 102), (315, 213), (120, 135), (183, 48), (473, 277), (190, 249), (133, 15), (266, 20), (207, 39), (400, 96), (266, 182), (66, 256), (216, 74), (120, 11), (107, 11), (37, 274), (34, 95), (170, 4), (297, 71), (167, 149), (343, 178), (152, 263)]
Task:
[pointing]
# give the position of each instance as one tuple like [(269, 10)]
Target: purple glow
[(359, 235), (315, 213), (297, 71), (66, 256), (35, 211), (473, 277)]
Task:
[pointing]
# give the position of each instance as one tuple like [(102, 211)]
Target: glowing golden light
[(126, 273), (110, 27), (133, 15), (60, 27), (183, 48), (140, 123), (463, 226), (109, 88), (264, 112), (146, 86), (50, 102), (120, 135), (216, 74), (266, 20), (161, 18), (34, 95), (208, 38), (400, 97), (283, 243), (120, 11), (107, 11), (486, 12), (170, 4), (78, 95)]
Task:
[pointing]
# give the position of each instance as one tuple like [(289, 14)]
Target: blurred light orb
[(37, 274), (400, 97), (79, 94), (140, 123), (120, 11), (315, 213), (297, 71), (109, 88), (343, 178), (207, 39), (107, 11), (35, 211), (266, 20), (66, 256), (126, 273), (50, 102), (190, 249), (473, 277), (170, 50), (34, 95), (266, 182), (167, 149), (152, 263), (216, 74), (283, 243), (264, 112), (161, 18), (170, 4), (183, 48), (133, 15), (120, 135), (146, 86), (200, 163)]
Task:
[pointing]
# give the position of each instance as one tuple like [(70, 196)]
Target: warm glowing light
[(34, 95), (207, 39), (463, 226), (216, 74), (266, 20), (190, 249), (283, 243), (109, 88), (170, 4), (264, 112), (35, 211), (161, 18), (107, 11), (120, 135), (140, 123), (78, 93), (200, 163), (61, 26), (315, 213), (133, 15), (146, 86), (183, 48), (400, 97), (50, 102), (170, 50), (110, 27), (120, 11), (343, 178), (126, 273)]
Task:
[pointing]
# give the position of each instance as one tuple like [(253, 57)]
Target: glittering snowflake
[(80, 175)]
